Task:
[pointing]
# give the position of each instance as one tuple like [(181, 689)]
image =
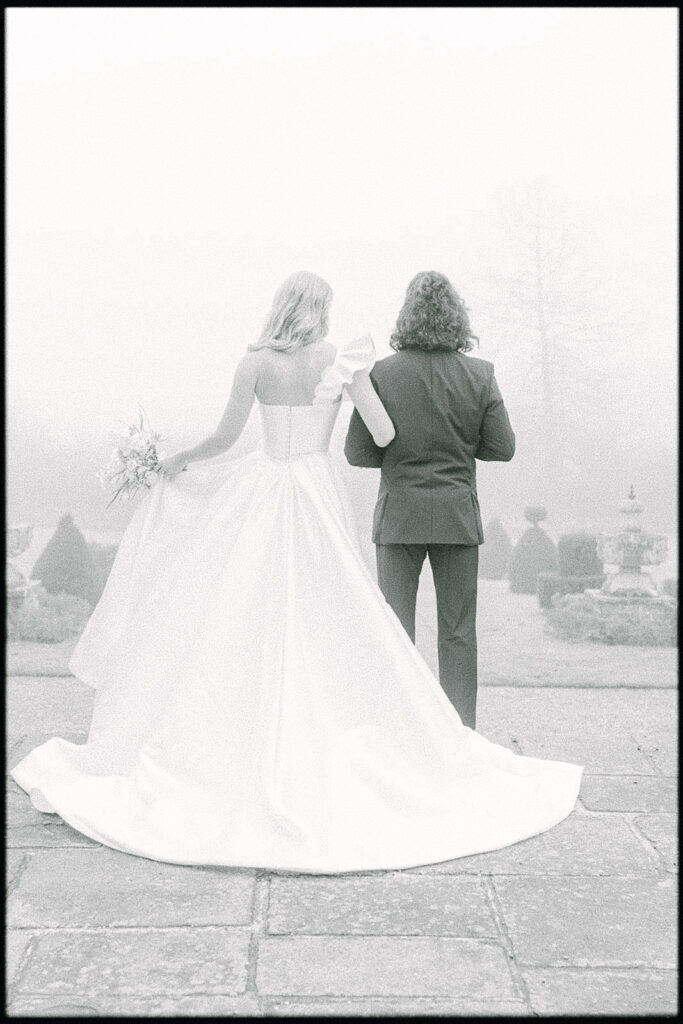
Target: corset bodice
[(290, 431)]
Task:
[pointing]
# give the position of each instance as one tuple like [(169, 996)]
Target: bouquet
[(134, 462)]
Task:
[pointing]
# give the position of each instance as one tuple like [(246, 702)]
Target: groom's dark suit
[(447, 411)]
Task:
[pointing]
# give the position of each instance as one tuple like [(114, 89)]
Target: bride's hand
[(171, 466)]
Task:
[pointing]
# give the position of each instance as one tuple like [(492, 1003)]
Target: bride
[(257, 701)]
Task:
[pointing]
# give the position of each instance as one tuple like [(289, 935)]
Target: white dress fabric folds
[(258, 703)]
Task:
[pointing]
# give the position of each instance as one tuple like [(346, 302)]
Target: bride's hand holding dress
[(171, 466)]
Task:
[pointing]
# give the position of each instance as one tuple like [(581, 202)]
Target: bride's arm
[(232, 422), (370, 408)]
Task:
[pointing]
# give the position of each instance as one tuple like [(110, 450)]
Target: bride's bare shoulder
[(248, 368), (251, 360)]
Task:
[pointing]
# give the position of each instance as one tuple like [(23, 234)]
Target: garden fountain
[(630, 549), (629, 607)]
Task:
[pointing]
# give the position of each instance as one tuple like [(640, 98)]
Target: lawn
[(514, 649), (25, 658)]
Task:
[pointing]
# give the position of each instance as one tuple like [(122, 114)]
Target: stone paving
[(579, 920)]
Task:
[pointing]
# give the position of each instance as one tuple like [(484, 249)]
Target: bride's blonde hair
[(298, 315)]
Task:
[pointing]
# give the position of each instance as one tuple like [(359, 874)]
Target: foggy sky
[(167, 168)]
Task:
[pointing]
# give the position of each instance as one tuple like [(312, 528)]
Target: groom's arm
[(496, 437), (360, 448)]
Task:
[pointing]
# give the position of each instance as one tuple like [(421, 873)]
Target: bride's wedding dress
[(258, 703)]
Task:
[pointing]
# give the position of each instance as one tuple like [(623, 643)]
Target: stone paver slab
[(598, 922), (593, 992), (385, 905), (56, 705), (16, 945), (83, 888), (14, 860), (601, 753), (86, 967), (122, 1005), (587, 845), (662, 749), (28, 828), (383, 966), (50, 1008), (578, 725), (649, 793), (395, 1008), (11, 745), (12, 787), (662, 831)]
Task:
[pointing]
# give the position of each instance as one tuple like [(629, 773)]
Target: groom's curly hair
[(433, 316)]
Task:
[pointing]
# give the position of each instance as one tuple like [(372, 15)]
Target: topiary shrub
[(494, 553), (577, 617), (103, 556), (66, 565), (535, 514), (48, 618), (577, 555), (579, 568), (533, 553)]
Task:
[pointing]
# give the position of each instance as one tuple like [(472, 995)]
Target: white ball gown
[(258, 703)]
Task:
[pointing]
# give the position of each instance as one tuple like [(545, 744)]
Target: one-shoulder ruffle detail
[(356, 357)]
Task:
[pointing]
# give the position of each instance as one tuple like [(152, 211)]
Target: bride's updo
[(298, 315)]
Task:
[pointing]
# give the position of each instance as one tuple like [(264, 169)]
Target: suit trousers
[(454, 568)]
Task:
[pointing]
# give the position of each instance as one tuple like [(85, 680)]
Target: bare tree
[(547, 304)]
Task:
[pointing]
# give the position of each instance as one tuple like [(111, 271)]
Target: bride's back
[(290, 378)]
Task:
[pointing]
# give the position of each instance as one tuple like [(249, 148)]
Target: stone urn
[(17, 585)]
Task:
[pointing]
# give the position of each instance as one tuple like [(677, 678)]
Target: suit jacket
[(447, 411)]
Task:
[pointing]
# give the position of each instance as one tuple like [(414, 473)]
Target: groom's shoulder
[(383, 367), (481, 367), (381, 364), (395, 362)]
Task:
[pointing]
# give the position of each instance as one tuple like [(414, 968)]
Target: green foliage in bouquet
[(48, 618), (66, 564), (494, 553), (579, 566), (533, 553), (576, 617)]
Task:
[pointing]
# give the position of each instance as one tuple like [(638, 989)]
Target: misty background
[(168, 168)]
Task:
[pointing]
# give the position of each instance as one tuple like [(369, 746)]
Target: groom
[(447, 411)]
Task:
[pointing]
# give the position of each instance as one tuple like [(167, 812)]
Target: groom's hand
[(359, 447)]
